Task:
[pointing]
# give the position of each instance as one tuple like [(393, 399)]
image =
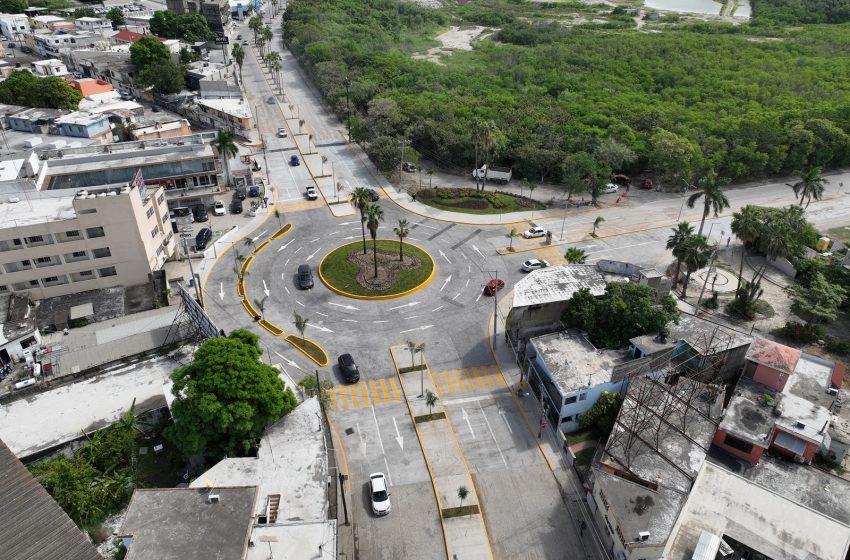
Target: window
[(34, 283), (35, 239), (160, 198), (582, 397), (72, 233), (108, 271), (739, 444), (88, 211), (101, 253), (569, 400), (604, 499), (43, 260), (566, 419), (154, 231), (78, 254), (86, 273), (150, 212), (51, 279), (16, 242), (3, 288), (94, 232)]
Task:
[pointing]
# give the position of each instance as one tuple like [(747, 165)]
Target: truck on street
[(495, 174)]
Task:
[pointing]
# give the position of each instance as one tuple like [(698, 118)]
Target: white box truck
[(501, 175)]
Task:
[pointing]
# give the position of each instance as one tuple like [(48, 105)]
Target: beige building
[(57, 243)]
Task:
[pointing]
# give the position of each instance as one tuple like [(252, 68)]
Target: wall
[(535, 320), (618, 267), (809, 453), (753, 457), (218, 89), (581, 406), (770, 377)]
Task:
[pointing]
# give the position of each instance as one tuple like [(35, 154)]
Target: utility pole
[(705, 283), (342, 479), (195, 280), (348, 109)]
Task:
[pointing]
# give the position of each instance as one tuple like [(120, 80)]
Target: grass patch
[(585, 456), (429, 417), (339, 272), (310, 349), (408, 369), (470, 202), (840, 234), (578, 437), (448, 513)]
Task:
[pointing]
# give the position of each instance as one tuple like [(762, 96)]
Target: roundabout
[(381, 272)]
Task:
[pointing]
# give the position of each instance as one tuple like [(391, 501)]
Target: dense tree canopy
[(818, 301), (148, 51), (116, 16), (23, 88), (800, 11), (13, 6), (164, 78), (192, 28), (689, 99), (226, 397), (625, 311)]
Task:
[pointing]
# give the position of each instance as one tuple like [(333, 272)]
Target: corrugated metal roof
[(773, 355), (32, 525)]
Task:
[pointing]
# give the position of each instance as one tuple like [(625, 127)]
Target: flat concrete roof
[(723, 503), (235, 107), (80, 311), (17, 318), (748, 415), (183, 523), (558, 283), (573, 362), (702, 335), (36, 207)]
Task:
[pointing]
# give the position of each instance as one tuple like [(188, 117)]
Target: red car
[(493, 286)]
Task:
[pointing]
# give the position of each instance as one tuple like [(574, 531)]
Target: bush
[(799, 332), (426, 194), (600, 418), (838, 346), (711, 303)]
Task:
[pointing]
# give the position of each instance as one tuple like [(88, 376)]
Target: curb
[(343, 293), (297, 347)]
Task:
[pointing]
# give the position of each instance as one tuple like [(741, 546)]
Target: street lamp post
[(342, 479), (347, 109)]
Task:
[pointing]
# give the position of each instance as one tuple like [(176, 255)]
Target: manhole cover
[(349, 431)]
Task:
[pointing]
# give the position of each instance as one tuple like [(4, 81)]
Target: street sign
[(222, 40)]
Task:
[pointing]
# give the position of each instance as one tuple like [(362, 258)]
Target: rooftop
[(749, 414), (17, 317), (773, 355), (80, 118), (573, 362), (36, 207), (236, 107), (183, 523), (32, 525), (704, 336), (776, 525), (37, 114), (127, 36), (558, 283)]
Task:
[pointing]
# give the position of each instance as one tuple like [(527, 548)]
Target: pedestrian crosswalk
[(379, 392), (300, 205)]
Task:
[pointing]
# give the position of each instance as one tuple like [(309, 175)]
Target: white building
[(49, 67), (94, 25), (13, 26)]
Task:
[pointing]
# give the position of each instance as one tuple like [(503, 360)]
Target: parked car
[(312, 193), (408, 167), (11, 45), (611, 188), (348, 368), (245, 42), (647, 184), (493, 286), (379, 494), (534, 264), (281, 133), (373, 195), (239, 37), (236, 206), (241, 193), (501, 175), (294, 161), (201, 213), (202, 239), (305, 277), (536, 231), (254, 191), (270, 100), (218, 208)]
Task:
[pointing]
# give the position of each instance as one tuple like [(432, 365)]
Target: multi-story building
[(14, 26), (223, 114), (93, 25), (52, 244), (216, 12), (53, 45), (86, 125), (49, 67)]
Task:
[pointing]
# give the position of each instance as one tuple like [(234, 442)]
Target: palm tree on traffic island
[(695, 255), (374, 215), (227, 149), (810, 185), (713, 198), (300, 324), (401, 231), (596, 222), (360, 199), (513, 234), (676, 243), (746, 227)]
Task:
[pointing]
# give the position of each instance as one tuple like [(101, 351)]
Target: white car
[(534, 232), (379, 494), (281, 133), (312, 193), (533, 264), (218, 209), (611, 188)]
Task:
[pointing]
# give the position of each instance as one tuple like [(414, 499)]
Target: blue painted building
[(86, 125)]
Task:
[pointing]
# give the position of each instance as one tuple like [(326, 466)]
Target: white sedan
[(534, 232), (611, 188), (534, 264), (281, 133), (379, 494), (218, 209)]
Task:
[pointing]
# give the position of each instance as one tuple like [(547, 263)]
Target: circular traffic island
[(349, 272)]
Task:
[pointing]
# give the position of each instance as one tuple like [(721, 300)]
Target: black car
[(202, 239), (236, 207), (305, 277), (349, 368), (241, 193), (201, 213), (373, 195)]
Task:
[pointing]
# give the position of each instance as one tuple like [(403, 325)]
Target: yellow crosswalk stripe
[(458, 380), (353, 397), (438, 384), (497, 376), (365, 393), (373, 391), (488, 376), (395, 389), (468, 377), (448, 381), (384, 391), (343, 398), (478, 376)]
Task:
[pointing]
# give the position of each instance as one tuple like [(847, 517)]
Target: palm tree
[(260, 41), (513, 234), (227, 149), (300, 124), (374, 215), (250, 242), (267, 35), (574, 255), (810, 185), (462, 493), (695, 255), (300, 324), (401, 231), (430, 400), (360, 199), (275, 67), (410, 346), (239, 56), (420, 349), (324, 161), (746, 227), (430, 176), (676, 243), (596, 222), (254, 24), (261, 305), (713, 197)]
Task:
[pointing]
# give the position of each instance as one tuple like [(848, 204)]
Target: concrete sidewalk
[(466, 535)]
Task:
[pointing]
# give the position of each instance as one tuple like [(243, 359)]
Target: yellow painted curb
[(341, 446), (249, 308), (271, 327), (262, 246), (319, 346), (246, 265), (240, 286), (424, 455), (388, 296), (281, 232)]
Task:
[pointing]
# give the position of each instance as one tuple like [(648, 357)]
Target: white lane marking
[(411, 304), (449, 279), (287, 289), (334, 232), (422, 328), (442, 254), (414, 239), (299, 303), (351, 237), (467, 283), (479, 296), (381, 443), (296, 250), (469, 268), (285, 246), (314, 240), (406, 318), (348, 223), (457, 296), (284, 266), (287, 360), (492, 435), (320, 313), (381, 321), (468, 423), (266, 288), (505, 418), (477, 250), (350, 307), (313, 254), (262, 233), (437, 309), (398, 437), (321, 328), (351, 320), (221, 290)]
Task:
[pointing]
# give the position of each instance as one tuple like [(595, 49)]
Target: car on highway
[(493, 286), (536, 231), (236, 207), (281, 133), (312, 193), (305, 277), (294, 161), (611, 188), (348, 368), (379, 494), (534, 264), (218, 208), (373, 195)]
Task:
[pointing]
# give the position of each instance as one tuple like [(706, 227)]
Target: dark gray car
[(305, 277), (348, 368)]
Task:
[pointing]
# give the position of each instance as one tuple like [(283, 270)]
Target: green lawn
[(341, 273), (470, 202), (585, 456), (578, 437), (840, 233)]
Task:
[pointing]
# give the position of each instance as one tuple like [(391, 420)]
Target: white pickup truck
[(500, 175)]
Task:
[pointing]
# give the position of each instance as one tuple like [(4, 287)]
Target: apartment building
[(58, 243)]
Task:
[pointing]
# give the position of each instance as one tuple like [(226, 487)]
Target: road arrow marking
[(505, 418), (349, 307), (398, 436), (287, 360), (468, 423), (285, 246), (296, 250), (322, 314), (313, 254), (254, 239), (321, 328), (477, 250), (422, 328), (411, 304), (266, 288), (299, 303), (449, 279), (437, 309), (221, 290), (442, 254)]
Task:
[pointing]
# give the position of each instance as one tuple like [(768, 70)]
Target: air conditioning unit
[(832, 391), (213, 499), (643, 536)]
